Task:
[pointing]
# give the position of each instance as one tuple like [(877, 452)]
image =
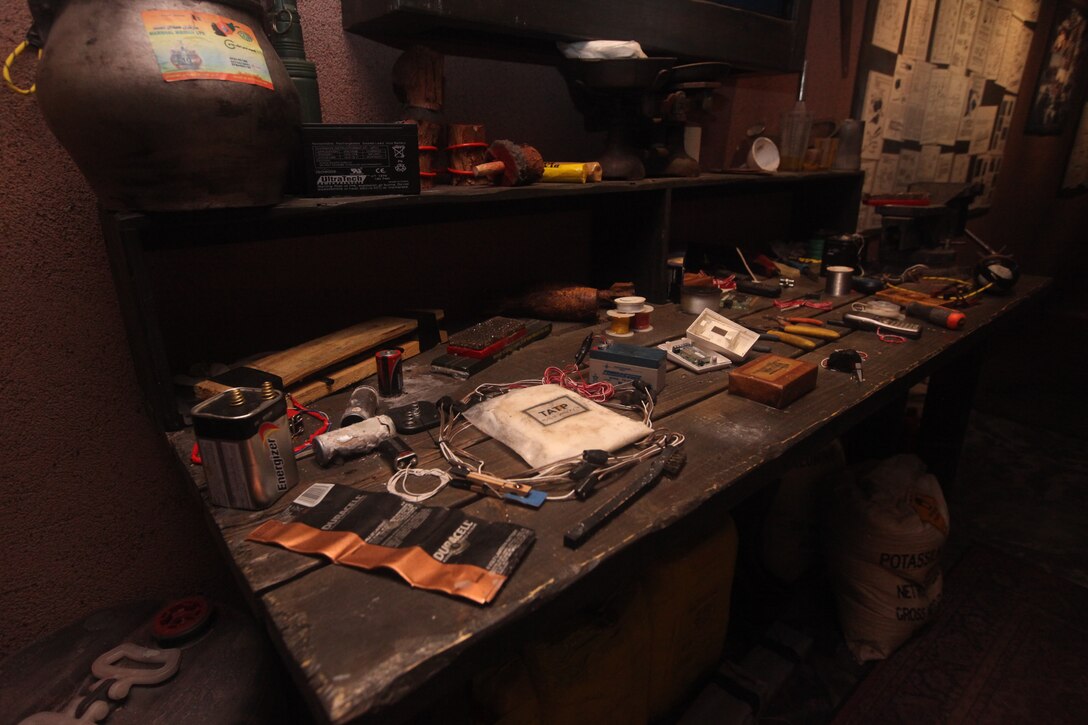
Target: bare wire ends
[(453, 424)]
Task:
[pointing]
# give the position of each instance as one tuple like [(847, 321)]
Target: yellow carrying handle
[(11, 61)]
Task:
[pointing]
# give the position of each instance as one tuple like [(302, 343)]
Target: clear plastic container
[(796, 125)]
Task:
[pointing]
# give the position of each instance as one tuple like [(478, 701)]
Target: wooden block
[(308, 358), (302, 361), (307, 393), (773, 380)]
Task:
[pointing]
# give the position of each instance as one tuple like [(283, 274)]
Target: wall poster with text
[(938, 80)]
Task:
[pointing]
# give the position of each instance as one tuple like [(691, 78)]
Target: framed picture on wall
[(1054, 103), (1076, 171)]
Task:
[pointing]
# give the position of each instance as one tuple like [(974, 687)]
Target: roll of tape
[(630, 304)]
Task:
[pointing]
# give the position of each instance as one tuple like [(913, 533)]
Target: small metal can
[(245, 447), (390, 372)]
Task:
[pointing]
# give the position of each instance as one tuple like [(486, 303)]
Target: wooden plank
[(222, 226), (301, 361), (336, 381), (508, 29), (346, 633)]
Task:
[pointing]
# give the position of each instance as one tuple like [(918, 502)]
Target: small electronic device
[(618, 363), (355, 159), (685, 353), (715, 333), (872, 323), (486, 338), (463, 366), (737, 301)]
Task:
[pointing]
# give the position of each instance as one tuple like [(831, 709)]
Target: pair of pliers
[(770, 333), (806, 326)]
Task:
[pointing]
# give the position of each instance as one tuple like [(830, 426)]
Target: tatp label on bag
[(556, 410)]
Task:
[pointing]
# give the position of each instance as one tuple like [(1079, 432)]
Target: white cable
[(396, 484), (745, 263)]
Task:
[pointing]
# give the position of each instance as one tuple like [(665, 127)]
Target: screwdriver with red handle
[(940, 316)]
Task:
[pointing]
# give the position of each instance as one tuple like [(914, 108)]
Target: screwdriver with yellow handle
[(820, 333)]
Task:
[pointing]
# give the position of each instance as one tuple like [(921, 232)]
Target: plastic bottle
[(796, 125)]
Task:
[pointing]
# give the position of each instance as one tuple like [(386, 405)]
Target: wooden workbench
[(365, 646)]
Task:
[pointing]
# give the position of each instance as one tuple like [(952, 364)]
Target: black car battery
[(358, 159)]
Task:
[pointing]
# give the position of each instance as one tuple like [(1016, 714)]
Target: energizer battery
[(245, 447)]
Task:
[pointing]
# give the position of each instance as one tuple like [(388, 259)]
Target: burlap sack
[(885, 542)]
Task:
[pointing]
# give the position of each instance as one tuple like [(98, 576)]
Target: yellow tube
[(572, 172)]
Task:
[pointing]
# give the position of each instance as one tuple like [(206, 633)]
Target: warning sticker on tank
[(190, 46)]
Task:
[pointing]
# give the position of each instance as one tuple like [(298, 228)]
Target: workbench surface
[(360, 642)]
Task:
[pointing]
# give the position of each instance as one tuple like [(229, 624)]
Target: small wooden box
[(773, 380)]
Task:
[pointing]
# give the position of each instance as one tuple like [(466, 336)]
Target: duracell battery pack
[(358, 159)]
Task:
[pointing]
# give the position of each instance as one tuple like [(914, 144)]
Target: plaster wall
[(92, 509)]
